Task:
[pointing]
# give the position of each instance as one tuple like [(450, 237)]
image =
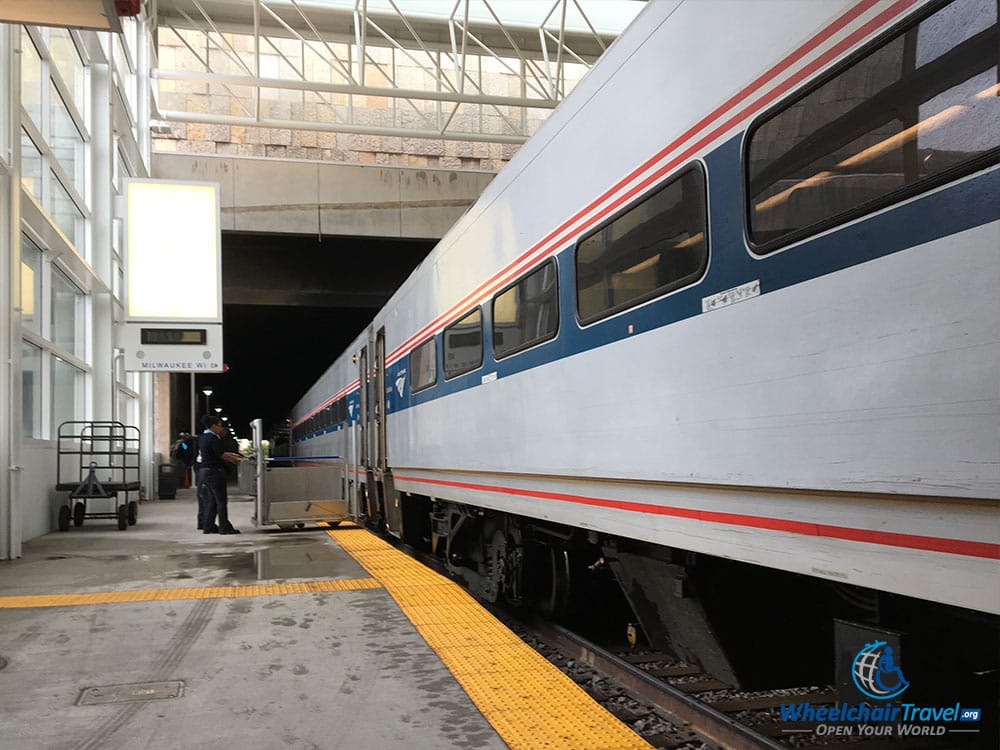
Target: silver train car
[(731, 316)]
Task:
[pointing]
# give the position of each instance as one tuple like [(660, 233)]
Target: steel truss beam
[(339, 55)]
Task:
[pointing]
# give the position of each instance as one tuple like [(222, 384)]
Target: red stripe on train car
[(884, 538)]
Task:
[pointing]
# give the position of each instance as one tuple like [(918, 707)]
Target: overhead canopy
[(472, 70), (586, 26)]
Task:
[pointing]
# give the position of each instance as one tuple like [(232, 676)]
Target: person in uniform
[(212, 480)]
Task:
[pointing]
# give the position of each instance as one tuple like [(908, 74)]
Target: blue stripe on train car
[(964, 205)]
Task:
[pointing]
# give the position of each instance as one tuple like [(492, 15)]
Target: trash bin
[(166, 482)]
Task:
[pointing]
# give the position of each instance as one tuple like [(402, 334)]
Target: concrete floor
[(341, 669)]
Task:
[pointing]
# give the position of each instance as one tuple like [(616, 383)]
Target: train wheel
[(513, 585), (133, 513), (64, 518), (79, 510), (496, 552), (122, 517), (553, 593)]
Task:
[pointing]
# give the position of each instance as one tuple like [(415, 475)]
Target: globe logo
[(876, 673)]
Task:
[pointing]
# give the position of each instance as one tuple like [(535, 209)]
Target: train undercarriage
[(750, 626)]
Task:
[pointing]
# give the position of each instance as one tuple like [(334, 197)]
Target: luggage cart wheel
[(133, 513), (122, 517), (78, 513), (64, 518)]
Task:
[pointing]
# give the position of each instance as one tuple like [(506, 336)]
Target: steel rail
[(700, 717)]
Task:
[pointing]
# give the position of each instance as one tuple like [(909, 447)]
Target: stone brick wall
[(349, 148)]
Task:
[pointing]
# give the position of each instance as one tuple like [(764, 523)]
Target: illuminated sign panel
[(173, 277), (174, 250)]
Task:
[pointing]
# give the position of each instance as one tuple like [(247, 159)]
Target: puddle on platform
[(235, 567), (312, 560), (317, 559)]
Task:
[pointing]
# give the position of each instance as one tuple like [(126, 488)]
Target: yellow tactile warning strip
[(209, 592), (529, 702)]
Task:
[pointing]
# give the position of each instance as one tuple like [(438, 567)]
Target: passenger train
[(727, 326)]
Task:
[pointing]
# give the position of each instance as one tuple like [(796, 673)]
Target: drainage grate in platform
[(142, 691)]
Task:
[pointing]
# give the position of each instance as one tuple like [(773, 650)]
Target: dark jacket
[(210, 450)]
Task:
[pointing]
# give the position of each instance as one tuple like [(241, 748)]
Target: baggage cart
[(97, 463)]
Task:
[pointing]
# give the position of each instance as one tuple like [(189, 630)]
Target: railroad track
[(694, 702), (711, 725)]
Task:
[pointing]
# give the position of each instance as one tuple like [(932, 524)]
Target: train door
[(381, 460), (362, 431), (351, 457), (386, 490)]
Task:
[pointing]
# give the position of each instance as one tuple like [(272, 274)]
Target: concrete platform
[(318, 669)]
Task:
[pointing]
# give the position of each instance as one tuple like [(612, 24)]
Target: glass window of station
[(54, 344), (53, 135), (55, 139)]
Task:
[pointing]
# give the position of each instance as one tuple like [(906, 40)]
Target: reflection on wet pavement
[(314, 560), (291, 557), (281, 560)]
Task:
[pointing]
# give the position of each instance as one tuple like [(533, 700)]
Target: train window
[(653, 247), (919, 110), (423, 365), (463, 344), (526, 313)]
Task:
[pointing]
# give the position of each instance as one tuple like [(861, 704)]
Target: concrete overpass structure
[(319, 198), (299, 233)]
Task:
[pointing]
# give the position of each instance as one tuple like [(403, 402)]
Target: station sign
[(168, 347)]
